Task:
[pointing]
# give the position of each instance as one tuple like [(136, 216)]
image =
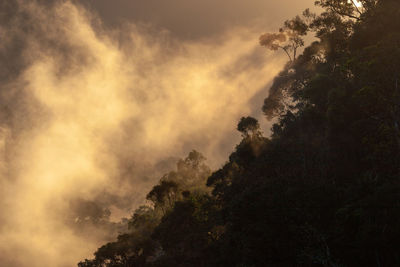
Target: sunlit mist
[(99, 109)]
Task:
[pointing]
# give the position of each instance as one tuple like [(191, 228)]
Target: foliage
[(323, 190)]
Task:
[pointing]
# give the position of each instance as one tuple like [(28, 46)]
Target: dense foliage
[(323, 190)]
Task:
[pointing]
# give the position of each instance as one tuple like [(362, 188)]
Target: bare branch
[(344, 14), (356, 7)]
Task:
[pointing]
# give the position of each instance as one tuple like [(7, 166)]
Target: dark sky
[(191, 19)]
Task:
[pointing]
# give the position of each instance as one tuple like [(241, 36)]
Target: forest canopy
[(322, 190)]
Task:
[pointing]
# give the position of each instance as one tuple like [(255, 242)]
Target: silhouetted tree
[(322, 190)]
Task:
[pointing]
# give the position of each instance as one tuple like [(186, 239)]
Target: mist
[(92, 115)]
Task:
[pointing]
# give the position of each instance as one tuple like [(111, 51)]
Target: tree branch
[(344, 14), (356, 7), (287, 53)]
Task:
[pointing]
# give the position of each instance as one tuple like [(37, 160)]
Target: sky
[(99, 98)]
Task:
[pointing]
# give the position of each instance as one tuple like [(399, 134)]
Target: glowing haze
[(97, 113)]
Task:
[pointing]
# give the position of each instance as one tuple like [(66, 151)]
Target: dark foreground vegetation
[(322, 190)]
